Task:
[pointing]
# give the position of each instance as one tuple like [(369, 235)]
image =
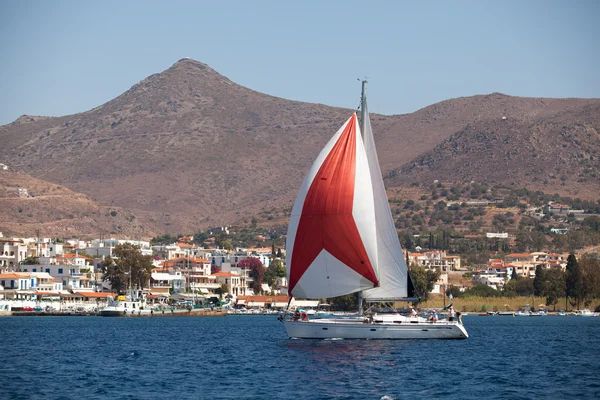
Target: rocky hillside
[(555, 153), (188, 148), (29, 205)]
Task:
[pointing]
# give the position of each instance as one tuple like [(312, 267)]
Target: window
[(24, 269), (48, 270), (34, 270), (60, 270), (12, 284)]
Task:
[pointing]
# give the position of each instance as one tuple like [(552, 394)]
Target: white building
[(12, 252)]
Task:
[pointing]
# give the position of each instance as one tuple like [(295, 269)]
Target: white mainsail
[(331, 247), (390, 260)]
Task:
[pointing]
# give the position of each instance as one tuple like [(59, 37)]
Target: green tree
[(274, 271), (574, 280), (114, 274), (348, 302), (481, 290), (128, 269), (163, 239), (538, 282), (509, 289), (227, 245), (524, 287), (590, 270), (221, 290), (554, 286), (514, 275), (423, 280), (30, 261), (454, 291), (592, 222)]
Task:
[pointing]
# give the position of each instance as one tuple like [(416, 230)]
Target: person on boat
[(434, 317), (430, 318), (296, 315), (304, 316), (451, 313), (459, 317), (413, 312)]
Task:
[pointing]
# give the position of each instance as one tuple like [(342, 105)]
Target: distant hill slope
[(55, 211), (555, 154), (187, 148)]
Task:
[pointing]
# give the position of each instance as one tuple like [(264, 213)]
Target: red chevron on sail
[(327, 221)]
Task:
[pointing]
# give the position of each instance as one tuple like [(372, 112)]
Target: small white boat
[(342, 239), (586, 313)]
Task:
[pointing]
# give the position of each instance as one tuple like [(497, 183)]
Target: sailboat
[(341, 239)]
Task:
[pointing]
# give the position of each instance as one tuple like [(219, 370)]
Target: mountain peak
[(190, 63)]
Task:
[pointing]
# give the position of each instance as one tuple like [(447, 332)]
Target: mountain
[(188, 148)]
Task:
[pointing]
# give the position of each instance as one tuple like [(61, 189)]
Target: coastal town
[(66, 276)]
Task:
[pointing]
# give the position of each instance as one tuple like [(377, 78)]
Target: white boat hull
[(334, 329)]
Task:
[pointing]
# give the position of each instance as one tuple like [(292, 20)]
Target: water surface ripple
[(249, 357)]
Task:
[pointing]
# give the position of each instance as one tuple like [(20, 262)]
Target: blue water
[(249, 357)]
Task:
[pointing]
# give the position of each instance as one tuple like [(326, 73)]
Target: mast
[(363, 108), (363, 127)]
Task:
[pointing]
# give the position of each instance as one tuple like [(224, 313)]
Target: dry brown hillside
[(188, 148), (55, 211)]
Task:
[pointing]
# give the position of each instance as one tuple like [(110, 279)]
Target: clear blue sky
[(64, 57)]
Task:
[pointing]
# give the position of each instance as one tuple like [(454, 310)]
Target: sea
[(250, 357)]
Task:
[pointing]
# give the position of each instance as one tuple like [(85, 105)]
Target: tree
[(163, 239), (423, 280), (454, 291), (221, 290), (590, 270), (554, 286), (592, 222), (129, 269), (574, 281), (348, 302), (114, 274), (538, 282), (514, 276), (30, 261), (509, 289), (481, 290), (524, 287), (275, 270), (257, 272)]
